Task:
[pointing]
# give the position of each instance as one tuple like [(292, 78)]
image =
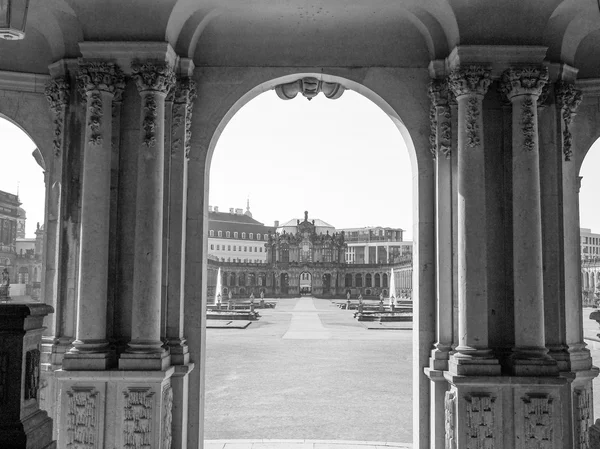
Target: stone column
[(145, 350), (98, 82), (472, 356), (523, 86)]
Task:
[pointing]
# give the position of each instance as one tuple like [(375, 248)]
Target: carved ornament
[(538, 422), (450, 420), (309, 87), (167, 418), (472, 123), (32, 373), (153, 77), (524, 81), (137, 418), (470, 80), (100, 76), (568, 99), (184, 96), (528, 123), (57, 93), (149, 123), (82, 419), (480, 428), (440, 128), (94, 105), (583, 418)]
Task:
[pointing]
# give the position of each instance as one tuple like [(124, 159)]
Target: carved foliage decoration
[(137, 419), (167, 417), (157, 77), (92, 79), (524, 80), (57, 94), (528, 123), (32, 373), (441, 129), (568, 99), (480, 422), (583, 417), (82, 419), (472, 123), (185, 93), (3, 376), (149, 123), (309, 87), (450, 420), (470, 80), (538, 422), (433, 130)]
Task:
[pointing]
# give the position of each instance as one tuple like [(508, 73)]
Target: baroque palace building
[(306, 257), (498, 104)]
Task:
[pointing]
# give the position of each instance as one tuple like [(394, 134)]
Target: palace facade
[(308, 257)]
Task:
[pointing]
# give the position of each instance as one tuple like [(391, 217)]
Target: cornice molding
[(23, 82), (590, 87)]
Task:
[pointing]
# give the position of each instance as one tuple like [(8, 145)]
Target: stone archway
[(305, 283), (221, 96)]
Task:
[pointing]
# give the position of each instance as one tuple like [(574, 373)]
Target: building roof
[(226, 221), (317, 222)]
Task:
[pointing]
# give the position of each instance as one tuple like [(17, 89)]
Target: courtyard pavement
[(308, 371)]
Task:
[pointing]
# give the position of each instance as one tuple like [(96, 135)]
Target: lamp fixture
[(13, 16)]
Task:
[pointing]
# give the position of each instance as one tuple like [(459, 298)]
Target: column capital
[(568, 99), (100, 76), (470, 80), (439, 92), (185, 90), (528, 80), (153, 77), (57, 93)]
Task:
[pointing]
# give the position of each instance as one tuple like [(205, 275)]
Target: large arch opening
[(22, 206), (421, 206)]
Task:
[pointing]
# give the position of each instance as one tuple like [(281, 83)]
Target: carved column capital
[(100, 77), (439, 116), (439, 92), (528, 80), (184, 91), (153, 77), (470, 80), (568, 100)]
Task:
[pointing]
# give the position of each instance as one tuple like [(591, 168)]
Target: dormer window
[(257, 236), (235, 235), (251, 236), (211, 233), (243, 235), (227, 234), (220, 233)]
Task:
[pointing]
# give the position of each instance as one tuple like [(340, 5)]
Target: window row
[(259, 236), (238, 260), (256, 249)]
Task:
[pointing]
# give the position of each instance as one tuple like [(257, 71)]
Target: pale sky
[(342, 160)]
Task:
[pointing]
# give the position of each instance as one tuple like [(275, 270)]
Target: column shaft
[(145, 349), (98, 82)]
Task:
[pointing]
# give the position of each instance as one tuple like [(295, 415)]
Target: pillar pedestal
[(22, 424)]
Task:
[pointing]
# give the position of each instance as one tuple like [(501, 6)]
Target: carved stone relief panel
[(582, 399), (167, 417), (537, 415), (137, 418), (450, 420), (82, 418), (480, 417), (32, 373)]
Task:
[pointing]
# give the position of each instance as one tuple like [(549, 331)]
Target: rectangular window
[(228, 247), (234, 247), (260, 250), (245, 248), (218, 247), (212, 246)]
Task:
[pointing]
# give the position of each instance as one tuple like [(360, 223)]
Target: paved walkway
[(301, 444), (310, 376)]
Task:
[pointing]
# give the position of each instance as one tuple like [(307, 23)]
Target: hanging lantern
[(13, 15)]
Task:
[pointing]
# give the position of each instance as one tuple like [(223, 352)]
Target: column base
[(561, 355), (532, 362), (139, 361), (473, 365), (439, 358), (179, 351), (88, 361)]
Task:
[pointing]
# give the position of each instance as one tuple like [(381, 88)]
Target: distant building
[(590, 267), (376, 245), (235, 236), (590, 244), (9, 216)]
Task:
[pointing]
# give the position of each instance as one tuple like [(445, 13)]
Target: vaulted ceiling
[(395, 33)]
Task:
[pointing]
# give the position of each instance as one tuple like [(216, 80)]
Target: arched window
[(385, 280), (377, 280), (348, 280), (359, 280), (368, 280)]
